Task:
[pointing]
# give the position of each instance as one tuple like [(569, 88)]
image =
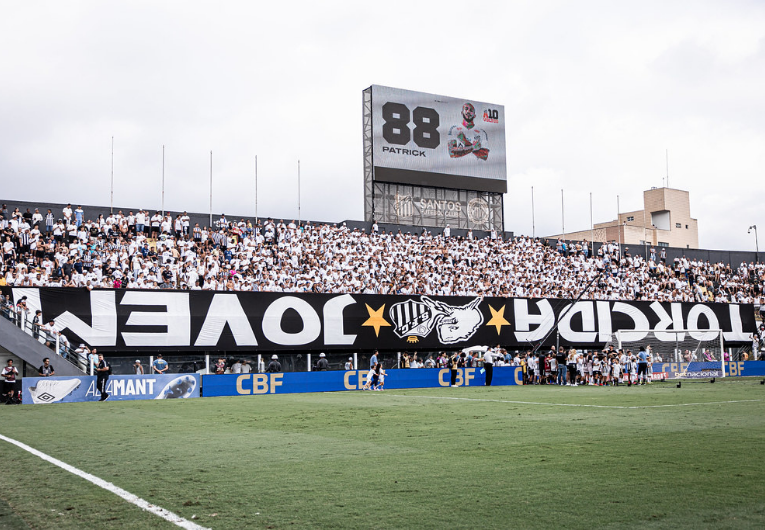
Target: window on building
[(686, 227), (662, 244), (660, 220), (678, 225), (630, 218)]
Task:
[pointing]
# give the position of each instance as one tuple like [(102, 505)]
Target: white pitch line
[(692, 404), (133, 499), (576, 404)]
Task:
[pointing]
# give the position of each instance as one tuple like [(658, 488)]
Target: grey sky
[(594, 92)]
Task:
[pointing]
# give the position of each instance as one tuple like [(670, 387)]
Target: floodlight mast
[(111, 196), (756, 242)]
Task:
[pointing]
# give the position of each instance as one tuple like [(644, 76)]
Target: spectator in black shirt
[(46, 370), (36, 323), (67, 268), (541, 368), (561, 357), (103, 370), (274, 366), (322, 365)]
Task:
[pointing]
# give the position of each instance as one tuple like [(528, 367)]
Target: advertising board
[(425, 206), (44, 390), (705, 370), (298, 382)]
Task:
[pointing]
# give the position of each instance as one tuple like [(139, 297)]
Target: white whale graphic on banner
[(453, 323)]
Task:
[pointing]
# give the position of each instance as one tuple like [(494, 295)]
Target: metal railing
[(56, 342)]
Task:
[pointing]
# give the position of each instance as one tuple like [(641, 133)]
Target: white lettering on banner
[(334, 322), (103, 315), (693, 322), (226, 309), (524, 320), (676, 321), (588, 333), (127, 386), (176, 317), (605, 329), (131, 386), (532, 322), (637, 316), (736, 332), (272, 322)]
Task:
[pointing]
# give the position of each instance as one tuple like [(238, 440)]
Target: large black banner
[(134, 320)]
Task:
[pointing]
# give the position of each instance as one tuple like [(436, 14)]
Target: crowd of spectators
[(581, 367), (144, 251), (569, 366)]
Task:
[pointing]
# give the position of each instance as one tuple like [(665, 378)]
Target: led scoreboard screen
[(428, 140)]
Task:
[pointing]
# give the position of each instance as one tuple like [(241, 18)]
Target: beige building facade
[(665, 220)]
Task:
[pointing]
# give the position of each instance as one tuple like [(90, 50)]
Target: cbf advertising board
[(299, 382), (43, 390), (445, 142)]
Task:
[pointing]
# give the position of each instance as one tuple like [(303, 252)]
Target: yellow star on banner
[(376, 319), (498, 319)]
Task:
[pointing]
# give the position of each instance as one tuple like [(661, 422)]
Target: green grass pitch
[(500, 457)]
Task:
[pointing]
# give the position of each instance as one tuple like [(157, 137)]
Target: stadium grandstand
[(59, 245), (90, 248)]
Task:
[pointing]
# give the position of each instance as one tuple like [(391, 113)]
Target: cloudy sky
[(594, 94)]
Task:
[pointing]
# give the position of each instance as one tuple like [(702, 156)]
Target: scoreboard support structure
[(437, 167), (369, 203)]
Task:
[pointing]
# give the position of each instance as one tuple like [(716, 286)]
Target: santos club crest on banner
[(453, 323)]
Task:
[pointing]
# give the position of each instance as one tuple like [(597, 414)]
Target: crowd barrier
[(133, 387)]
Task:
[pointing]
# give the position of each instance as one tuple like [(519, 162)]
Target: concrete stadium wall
[(732, 257), (92, 213)]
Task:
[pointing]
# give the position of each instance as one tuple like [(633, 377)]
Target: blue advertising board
[(295, 382), (732, 368), (37, 390)]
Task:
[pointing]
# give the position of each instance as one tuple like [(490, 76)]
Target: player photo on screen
[(466, 138)]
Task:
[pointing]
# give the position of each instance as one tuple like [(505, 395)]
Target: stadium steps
[(30, 350)]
